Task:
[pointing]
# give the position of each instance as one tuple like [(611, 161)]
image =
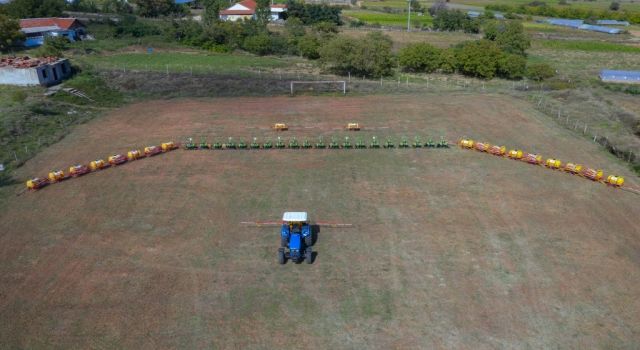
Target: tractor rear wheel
[(281, 257), (308, 255), (308, 241), (283, 242)]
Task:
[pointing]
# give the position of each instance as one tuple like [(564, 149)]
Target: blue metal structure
[(620, 76), (601, 29), (579, 24), (36, 36), (295, 241), (611, 22)]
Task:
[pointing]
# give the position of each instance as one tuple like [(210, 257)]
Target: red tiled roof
[(238, 12), (250, 4), (62, 23)]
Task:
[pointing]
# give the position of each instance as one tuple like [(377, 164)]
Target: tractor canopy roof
[(295, 216)]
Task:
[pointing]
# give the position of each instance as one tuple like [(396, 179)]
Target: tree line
[(540, 8)]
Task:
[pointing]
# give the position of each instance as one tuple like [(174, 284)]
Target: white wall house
[(247, 10), (37, 73)]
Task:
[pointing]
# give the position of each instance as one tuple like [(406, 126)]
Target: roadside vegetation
[(540, 8)]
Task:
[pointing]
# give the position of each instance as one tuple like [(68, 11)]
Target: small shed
[(27, 71)]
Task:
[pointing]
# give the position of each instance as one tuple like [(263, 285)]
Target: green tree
[(421, 57), (117, 6), (416, 6), (10, 32), (212, 10), (53, 46), (155, 8), (478, 58), (448, 61), (258, 44), (294, 27), (511, 66), (370, 56), (513, 39), (309, 47), (539, 71), (615, 6), (35, 8), (263, 11), (491, 29)]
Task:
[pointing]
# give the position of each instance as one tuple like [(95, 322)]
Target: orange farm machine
[(37, 183), (98, 164), (117, 159), (551, 163), (151, 151), (78, 170)]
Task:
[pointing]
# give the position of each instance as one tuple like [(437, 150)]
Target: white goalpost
[(341, 84)]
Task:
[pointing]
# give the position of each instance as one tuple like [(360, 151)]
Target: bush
[(447, 61), (314, 13), (155, 8), (370, 56), (478, 58), (308, 47), (294, 27), (131, 26), (117, 6), (454, 20), (538, 8), (10, 33), (539, 71), (615, 6), (53, 46), (258, 44), (512, 66), (35, 8), (513, 39), (420, 58)]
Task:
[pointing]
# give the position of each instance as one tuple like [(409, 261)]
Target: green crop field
[(590, 46), (184, 62), (388, 19)]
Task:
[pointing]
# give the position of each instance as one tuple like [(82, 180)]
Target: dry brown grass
[(451, 249)]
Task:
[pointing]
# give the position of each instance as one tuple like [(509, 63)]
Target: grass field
[(185, 61), (388, 19), (403, 38), (450, 249), (588, 46)]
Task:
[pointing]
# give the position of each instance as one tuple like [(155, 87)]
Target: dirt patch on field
[(450, 249)]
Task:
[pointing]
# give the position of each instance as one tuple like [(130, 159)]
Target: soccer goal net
[(319, 86)]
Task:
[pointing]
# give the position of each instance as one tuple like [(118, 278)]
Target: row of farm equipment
[(98, 164), (536, 159), (320, 143)]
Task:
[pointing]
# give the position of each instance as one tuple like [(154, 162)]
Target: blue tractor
[(295, 238)]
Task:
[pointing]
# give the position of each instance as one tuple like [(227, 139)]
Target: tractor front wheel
[(281, 258), (308, 255)]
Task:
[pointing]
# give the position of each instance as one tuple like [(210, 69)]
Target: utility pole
[(409, 16)]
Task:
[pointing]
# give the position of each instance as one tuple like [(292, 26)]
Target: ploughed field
[(449, 249)]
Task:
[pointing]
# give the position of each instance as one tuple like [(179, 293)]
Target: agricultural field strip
[(328, 148)]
